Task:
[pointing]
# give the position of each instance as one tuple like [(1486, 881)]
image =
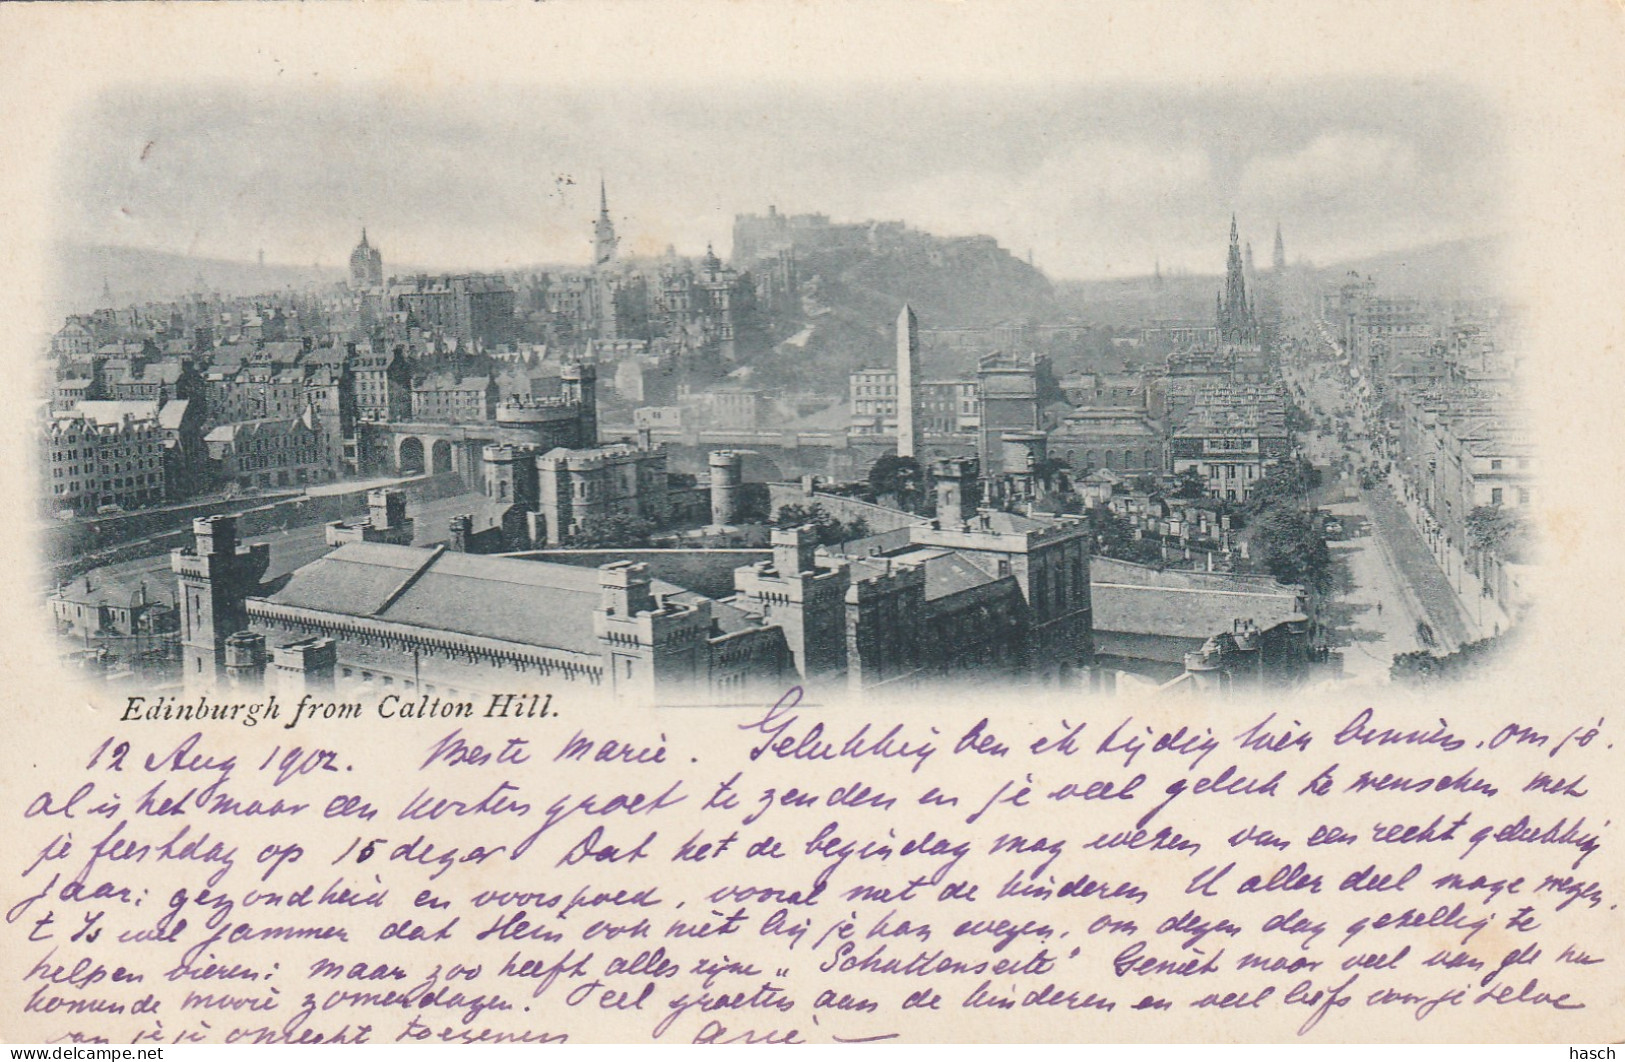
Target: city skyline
[(1093, 183), (1048, 411)]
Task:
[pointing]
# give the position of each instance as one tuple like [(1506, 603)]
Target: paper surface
[(983, 864)]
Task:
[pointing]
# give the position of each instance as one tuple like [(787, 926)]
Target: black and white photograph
[(681, 398), (812, 522)]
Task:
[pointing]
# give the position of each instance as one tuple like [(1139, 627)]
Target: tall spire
[(606, 321), (366, 264), (603, 230), (1235, 316), (1280, 249)]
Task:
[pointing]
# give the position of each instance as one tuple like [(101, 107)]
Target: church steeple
[(366, 264), (603, 230), (1280, 250), (604, 282)]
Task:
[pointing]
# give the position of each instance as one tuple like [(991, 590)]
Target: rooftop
[(1136, 599), (524, 601), (113, 413)]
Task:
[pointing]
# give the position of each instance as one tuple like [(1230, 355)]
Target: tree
[(754, 503), (1297, 422), (612, 531), (1282, 485), (1422, 668), (900, 477), (1288, 543), (858, 528), (1502, 532), (1114, 537), (798, 515), (1054, 473), (826, 527), (1191, 485)]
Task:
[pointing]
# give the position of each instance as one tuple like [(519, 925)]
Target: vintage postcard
[(812, 522)]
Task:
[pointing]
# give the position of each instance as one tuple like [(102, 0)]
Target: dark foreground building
[(996, 596)]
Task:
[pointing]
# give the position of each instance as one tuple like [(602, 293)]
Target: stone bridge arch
[(441, 457), (409, 456)]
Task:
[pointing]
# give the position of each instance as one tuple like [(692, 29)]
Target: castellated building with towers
[(972, 596)]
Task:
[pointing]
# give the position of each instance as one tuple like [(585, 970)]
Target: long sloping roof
[(950, 573), (1135, 599), (521, 601), (947, 572)]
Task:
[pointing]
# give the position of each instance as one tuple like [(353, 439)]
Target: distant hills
[(1453, 269), (951, 282), (1457, 268), (135, 275)]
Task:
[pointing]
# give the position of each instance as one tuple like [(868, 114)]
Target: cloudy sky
[(1097, 181)]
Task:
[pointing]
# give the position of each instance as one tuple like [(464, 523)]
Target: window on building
[(1495, 496)]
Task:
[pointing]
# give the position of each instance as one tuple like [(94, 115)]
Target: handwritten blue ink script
[(541, 871)]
